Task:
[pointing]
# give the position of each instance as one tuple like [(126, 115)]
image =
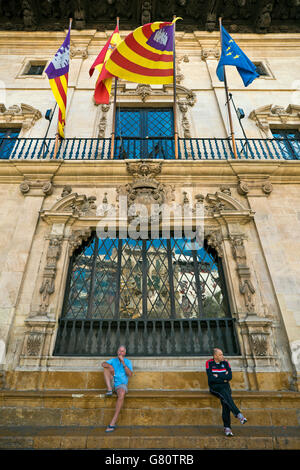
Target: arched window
[(159, 296)]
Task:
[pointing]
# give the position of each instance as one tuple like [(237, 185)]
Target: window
[(32, 68), (35, 69), (8, 139), (157, 296), (144, 133), (288, 141), (261, 69)]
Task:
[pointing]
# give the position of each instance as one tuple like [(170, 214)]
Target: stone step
[(149, 437), (150, 408)]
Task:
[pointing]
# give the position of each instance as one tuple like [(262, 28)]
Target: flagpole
[(174, 94), (114, 113), (57, 132), (227, 99)]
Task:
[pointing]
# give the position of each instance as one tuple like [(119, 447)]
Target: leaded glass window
[(144, 133), (154, 279)]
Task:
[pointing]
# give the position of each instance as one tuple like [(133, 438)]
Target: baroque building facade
[(51, 208)]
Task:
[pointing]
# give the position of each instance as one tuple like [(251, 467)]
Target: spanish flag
[(58, 72), (103, 86)]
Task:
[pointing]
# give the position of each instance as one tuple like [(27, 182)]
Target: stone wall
[(257, 232)]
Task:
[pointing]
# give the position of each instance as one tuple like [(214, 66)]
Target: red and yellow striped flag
[(103, 85), (145, 55), (58, 72)]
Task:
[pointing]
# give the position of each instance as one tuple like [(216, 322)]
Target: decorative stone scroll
[(274, 115), (261, 186), (36, 188), (77, 237), (23, 115)]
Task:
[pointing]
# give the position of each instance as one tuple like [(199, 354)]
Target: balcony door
[(144, 133)]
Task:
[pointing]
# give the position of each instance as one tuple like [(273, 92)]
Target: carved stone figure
[(48, 284)]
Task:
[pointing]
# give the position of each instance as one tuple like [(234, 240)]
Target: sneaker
[(242, 418), (109, 393), (228, 432)]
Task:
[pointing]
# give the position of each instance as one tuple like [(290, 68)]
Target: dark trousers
[(223, 392)]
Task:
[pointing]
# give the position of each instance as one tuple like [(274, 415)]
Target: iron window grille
[(288, 141), (160, 297), (144, 133), (8, 138)]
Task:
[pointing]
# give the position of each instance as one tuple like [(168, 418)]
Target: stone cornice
[(39, 41), (103, 171)]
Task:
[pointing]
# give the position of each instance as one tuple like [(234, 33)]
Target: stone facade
[(252, 207)]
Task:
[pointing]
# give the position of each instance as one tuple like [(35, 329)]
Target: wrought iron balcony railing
[(173, 337), (154, 148)]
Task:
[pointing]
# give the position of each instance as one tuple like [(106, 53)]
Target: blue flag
[(233, 55)]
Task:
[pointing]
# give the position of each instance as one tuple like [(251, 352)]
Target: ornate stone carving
[(179, 73), (221, 204), (247, 290), (23, 114), (75, 51), (36, 188), (267, 187), (103, 120), (37, 339), (33, 344), (255, 187), (264, 17), (210, 54), (238, 249), (257, 333), (214, 239), (28, 14), (145, 189), (48, 284), (273, 115), (259, 342), (77, 237), (246, 287), (242, 188), (66, 191), (144, 91)]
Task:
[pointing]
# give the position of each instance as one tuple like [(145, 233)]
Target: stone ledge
[(149, 437)]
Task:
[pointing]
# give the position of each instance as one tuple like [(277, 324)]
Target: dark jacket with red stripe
[(222, 370)]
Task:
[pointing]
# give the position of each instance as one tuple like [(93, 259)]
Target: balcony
[(154, 148)]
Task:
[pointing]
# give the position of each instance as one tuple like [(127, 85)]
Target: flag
[(233, 55), (57, 72), (103, 87), (145, 55)]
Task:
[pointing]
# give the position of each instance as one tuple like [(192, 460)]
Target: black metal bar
[(144, 277), (171, 283), (170, 334), (117, 304), (92, 281), (198, 285)]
